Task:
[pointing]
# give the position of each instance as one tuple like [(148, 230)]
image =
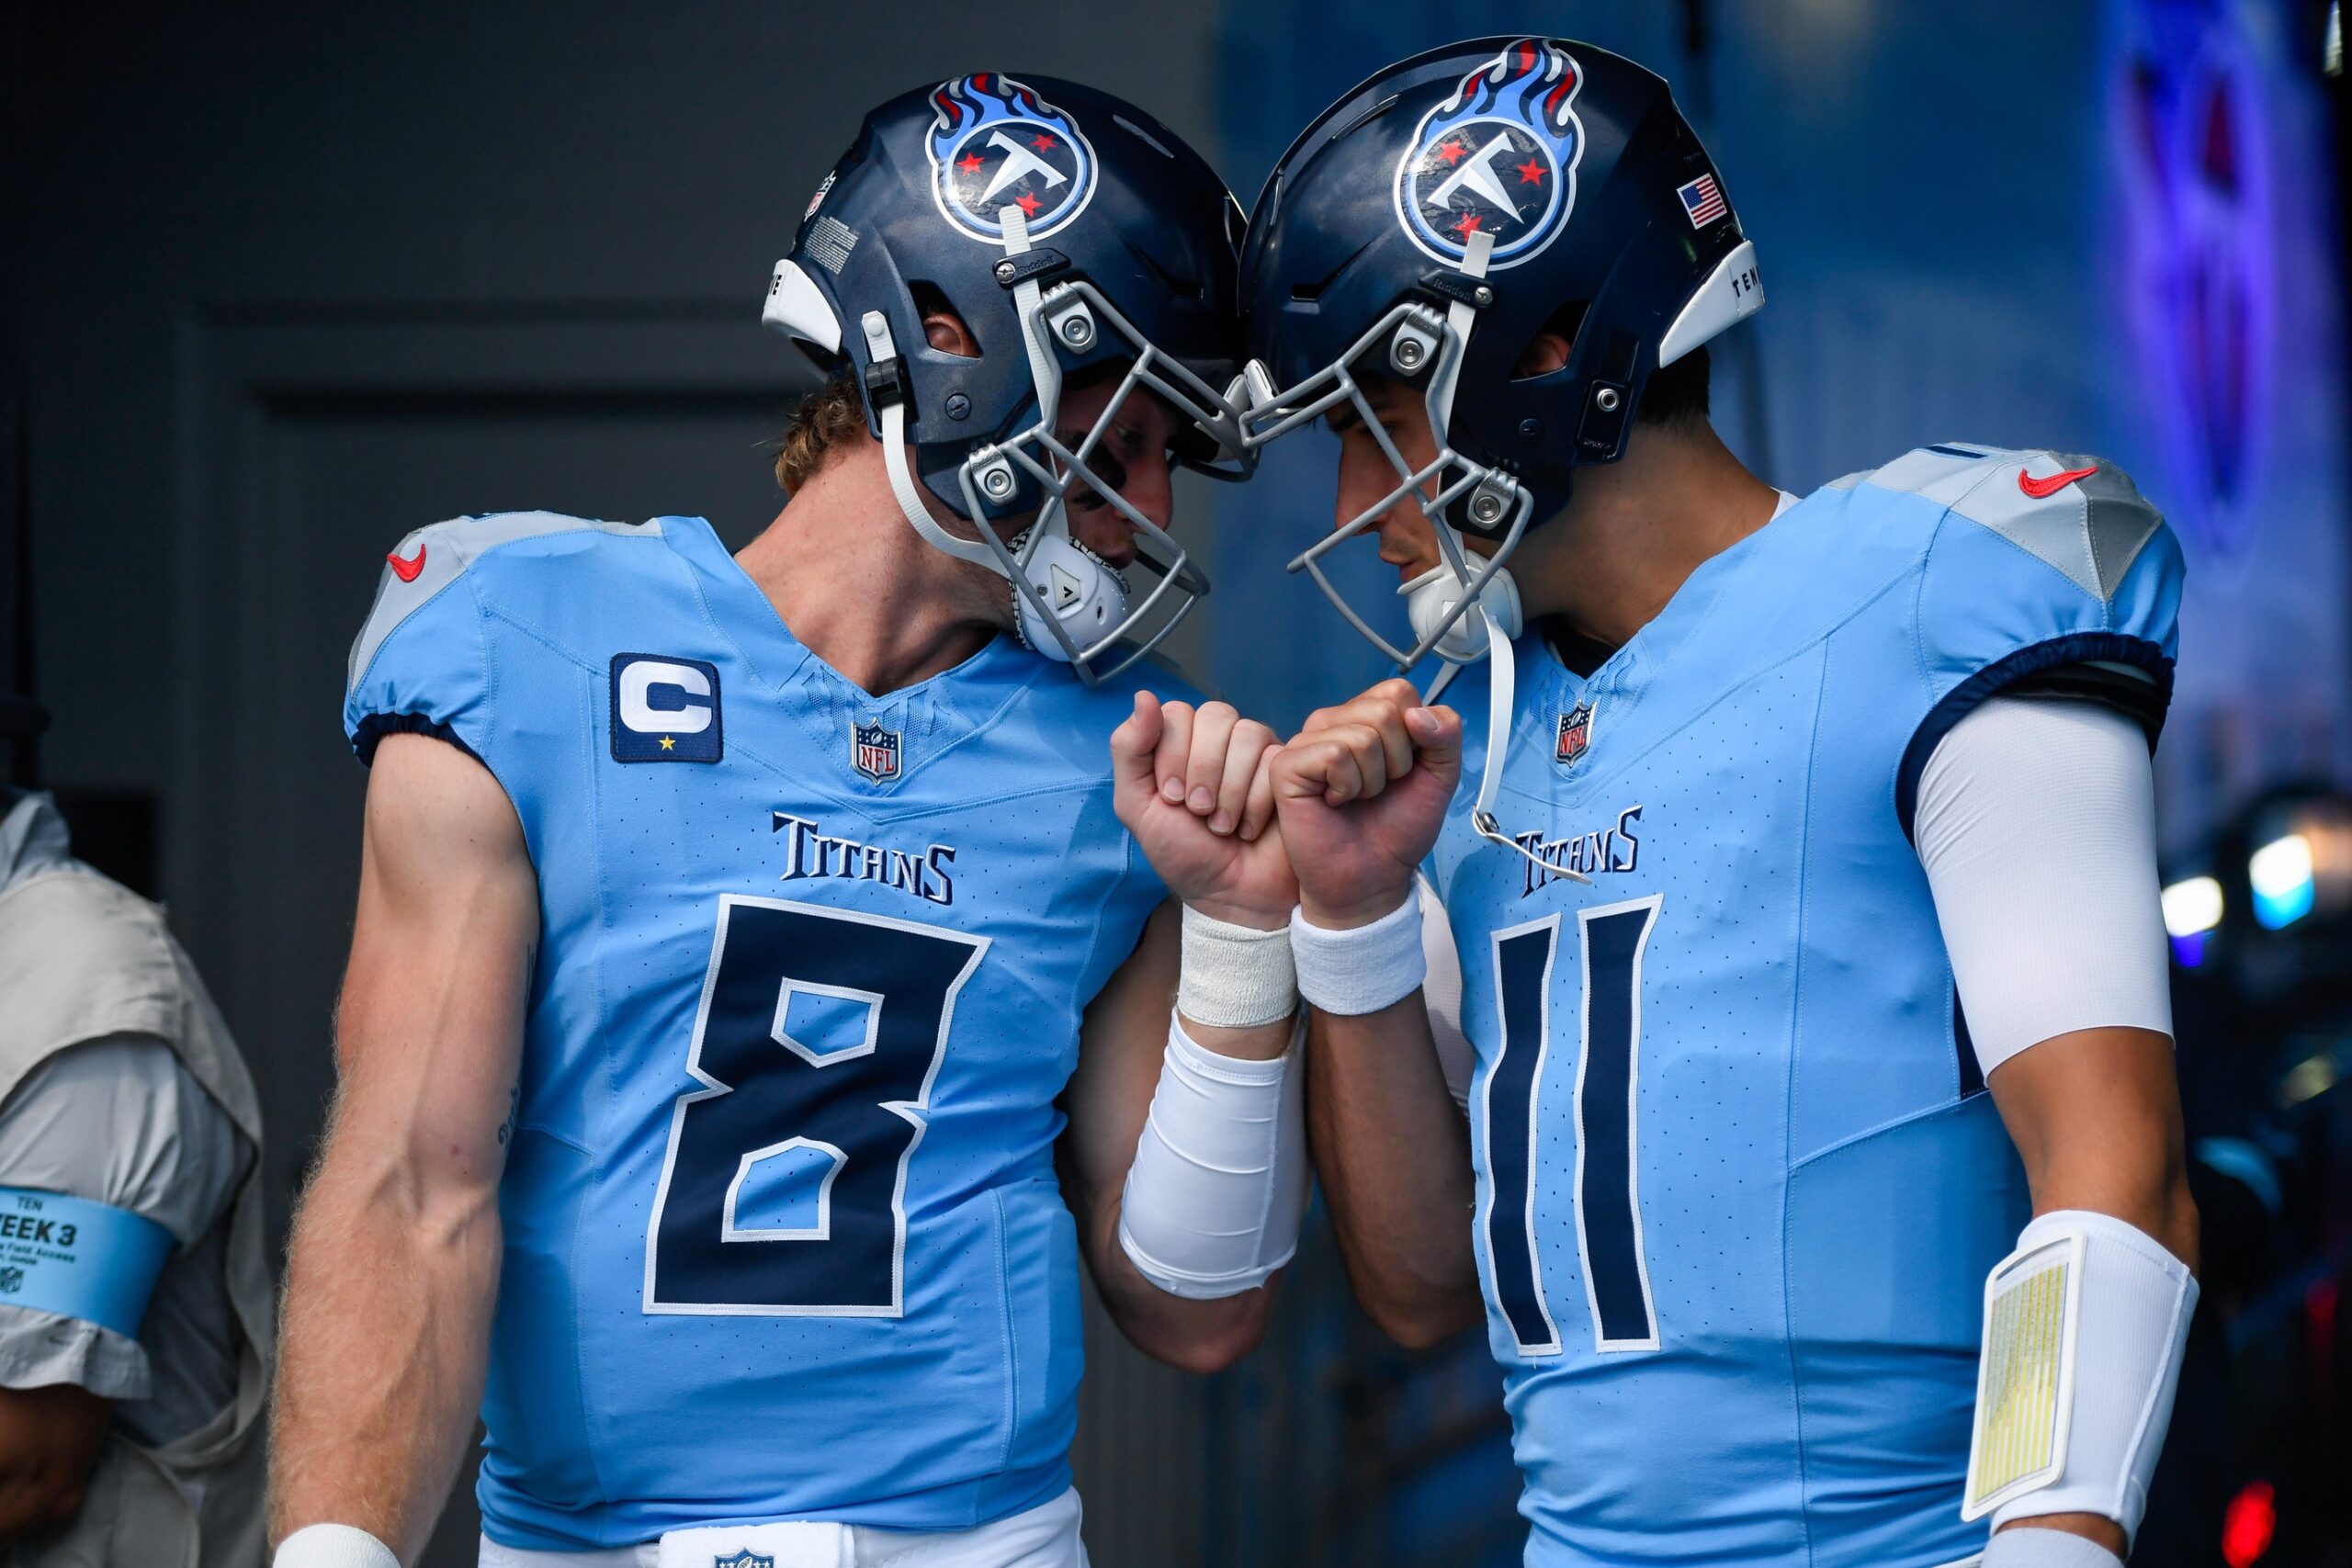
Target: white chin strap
[(1072, 586), (881, 349), (1429, 600), (1433, 597)]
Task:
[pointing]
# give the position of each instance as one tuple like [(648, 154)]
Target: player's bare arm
[(376, 1386), (2095, 1116), (1190, 789), (1360, 793)]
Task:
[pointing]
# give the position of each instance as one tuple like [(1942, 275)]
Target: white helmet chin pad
[(1429, 600), (1080, 589)]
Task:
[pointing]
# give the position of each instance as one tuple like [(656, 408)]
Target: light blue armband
[(77, 1258)]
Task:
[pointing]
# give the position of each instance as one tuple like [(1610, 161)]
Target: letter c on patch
[(680, 684)]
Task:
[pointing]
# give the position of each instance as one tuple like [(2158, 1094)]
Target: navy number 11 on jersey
[(1606, 1197)]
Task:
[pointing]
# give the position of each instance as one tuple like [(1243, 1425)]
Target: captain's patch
[(665, 709)]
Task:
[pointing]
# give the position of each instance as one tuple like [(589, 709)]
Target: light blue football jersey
[(1738, 1184), (782, 1237)]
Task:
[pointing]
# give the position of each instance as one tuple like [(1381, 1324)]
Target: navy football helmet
[(1076, 237), (1427, 227)]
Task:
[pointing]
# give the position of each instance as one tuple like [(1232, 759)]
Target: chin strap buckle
[(886, 377), (1037, 264)]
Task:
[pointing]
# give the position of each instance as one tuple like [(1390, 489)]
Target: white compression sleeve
[(2035, 824), (1218, 1187)]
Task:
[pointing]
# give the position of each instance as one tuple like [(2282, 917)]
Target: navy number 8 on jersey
[(766, 1094)]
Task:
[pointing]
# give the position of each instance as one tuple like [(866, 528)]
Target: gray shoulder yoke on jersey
[(432, 557), (2081, 517)]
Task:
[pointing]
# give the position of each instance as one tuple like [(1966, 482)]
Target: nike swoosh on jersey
[(407, 570), (2043, 489)]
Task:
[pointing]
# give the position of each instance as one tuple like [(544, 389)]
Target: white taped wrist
[(2026, 1547), (332, 1546), (1235, 976), (1362, 970), (2085, 1327), (1215, 1199)]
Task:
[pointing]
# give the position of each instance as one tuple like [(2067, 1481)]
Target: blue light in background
[(2280, 873)]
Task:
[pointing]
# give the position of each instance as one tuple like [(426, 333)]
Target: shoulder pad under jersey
[(429, 559), (2082, 517), (2045, 573)]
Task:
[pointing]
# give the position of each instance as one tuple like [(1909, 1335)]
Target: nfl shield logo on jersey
[(1576, 734), (746, 1558), (874, 750)]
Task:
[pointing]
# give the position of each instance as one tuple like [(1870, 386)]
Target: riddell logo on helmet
[(994, 143), (1498, 157)]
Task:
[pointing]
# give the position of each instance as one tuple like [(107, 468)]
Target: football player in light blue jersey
[(734, 931), (1787, 830)]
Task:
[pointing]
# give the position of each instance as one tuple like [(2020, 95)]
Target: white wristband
[(2027, 1547), (332, 1546), (1362, 970), (1235, 976)]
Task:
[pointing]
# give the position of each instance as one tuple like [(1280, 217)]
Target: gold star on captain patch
[(668, 744)]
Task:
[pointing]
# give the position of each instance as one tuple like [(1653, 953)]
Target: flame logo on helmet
[(1500, 156), (994, 143)]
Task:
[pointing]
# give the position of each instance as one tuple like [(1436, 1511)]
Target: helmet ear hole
[(1536, 357), (945, 330)]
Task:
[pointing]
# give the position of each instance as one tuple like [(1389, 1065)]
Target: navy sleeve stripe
[(372, 730), (2050, 666)]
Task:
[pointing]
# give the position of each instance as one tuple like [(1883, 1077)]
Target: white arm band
[(1364, 968), (332, 1546), (1235, 976), (1218, 1187), (2026, 1547), (2085, 1326), (2037, 826)]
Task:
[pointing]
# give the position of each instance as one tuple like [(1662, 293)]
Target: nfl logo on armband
[(1576, 734), (874, 751)]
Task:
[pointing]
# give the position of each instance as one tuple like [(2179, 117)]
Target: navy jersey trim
[(2051, 667), (370, 731)]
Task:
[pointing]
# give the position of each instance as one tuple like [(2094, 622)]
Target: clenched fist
[(1189, 787), (1361, 793)]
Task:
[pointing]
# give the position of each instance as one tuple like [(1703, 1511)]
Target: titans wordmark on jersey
[(782, 1237), (1738, 1187)]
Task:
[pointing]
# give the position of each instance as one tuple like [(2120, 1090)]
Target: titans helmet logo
[(1500, 156), (994, 143)]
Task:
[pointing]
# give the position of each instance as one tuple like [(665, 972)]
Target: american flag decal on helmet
[(1704, 200)]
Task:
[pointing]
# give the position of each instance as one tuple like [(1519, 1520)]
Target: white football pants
[(1045, 1537)]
